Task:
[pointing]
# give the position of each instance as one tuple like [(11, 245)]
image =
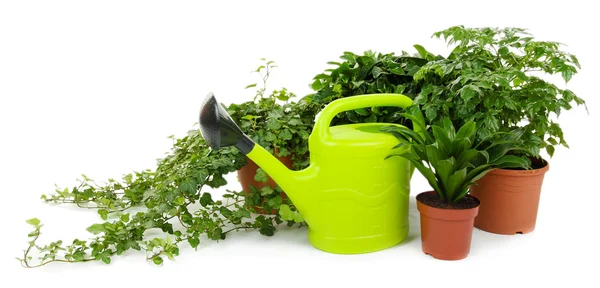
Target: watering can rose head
[(453, 160)]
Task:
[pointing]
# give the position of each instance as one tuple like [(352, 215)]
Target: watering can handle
[(355, 102)]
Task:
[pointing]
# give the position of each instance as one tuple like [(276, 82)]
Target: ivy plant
[(493, 76), (173, 198), (370, 73), (273, 120)]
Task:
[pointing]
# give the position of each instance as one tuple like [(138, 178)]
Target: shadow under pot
[(509, 199), (446, 232)]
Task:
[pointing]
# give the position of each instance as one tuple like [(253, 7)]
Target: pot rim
[(447, 214), (525, 173)]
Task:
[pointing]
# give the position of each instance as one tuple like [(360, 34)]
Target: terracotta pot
[(446, 233), (246, 178), (509, 200)]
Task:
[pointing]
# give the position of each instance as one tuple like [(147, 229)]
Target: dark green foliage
[(370, 73), (492, 77), (453, 160)]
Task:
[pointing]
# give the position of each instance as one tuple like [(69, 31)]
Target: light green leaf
[(96, 229), (33, 221)]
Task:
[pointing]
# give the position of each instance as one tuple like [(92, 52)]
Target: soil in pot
[(446, 229), (246, 178), (509, 199)]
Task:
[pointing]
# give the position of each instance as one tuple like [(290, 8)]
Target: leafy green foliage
[(173, 197), (453, 160), (492, 77), (274, 121), (370, 73)]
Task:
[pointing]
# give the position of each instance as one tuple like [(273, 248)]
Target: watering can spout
[(219, 130)]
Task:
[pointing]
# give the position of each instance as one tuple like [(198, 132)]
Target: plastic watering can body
[(353, 199)]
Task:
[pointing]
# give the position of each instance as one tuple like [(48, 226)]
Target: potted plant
[(274, 122), (493, 77), (451, 161), (369, 73)]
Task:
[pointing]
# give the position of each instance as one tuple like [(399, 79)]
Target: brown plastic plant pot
[(246, 177), (509, 200), (446, 233)]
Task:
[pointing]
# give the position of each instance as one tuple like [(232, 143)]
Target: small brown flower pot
[(446, 232), (509, 200), (246, 178)]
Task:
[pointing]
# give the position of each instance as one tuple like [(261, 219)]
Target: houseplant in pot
[(369, 73), (451, 161), (274, 122), (493, 76)]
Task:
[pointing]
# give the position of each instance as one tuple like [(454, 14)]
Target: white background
[(96, 87)]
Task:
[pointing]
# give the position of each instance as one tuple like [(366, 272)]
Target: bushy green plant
[(370, 73), (453, 160), (273, 120), (493, 77)]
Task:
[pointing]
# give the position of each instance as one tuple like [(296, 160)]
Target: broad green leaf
[(362, 111), (467, 130), (441, 137), (455, 182), (434, 155), (510, 161), (467, 92), (465, 158), (426, 172)]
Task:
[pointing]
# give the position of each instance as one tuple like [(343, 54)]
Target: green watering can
[(352, 198)]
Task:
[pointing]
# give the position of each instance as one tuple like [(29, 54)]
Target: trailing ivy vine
[(175, 199)]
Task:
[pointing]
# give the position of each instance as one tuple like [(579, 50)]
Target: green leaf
[(298, 217), (125, 217), (431, 113), (362, 111), (286, 213), (106, 260), (455, 182), (285, 134), (467, 92), (466, 131), (261, 176), (316, 85), (521, 75), (550, 150), (206, 199), (33, 221), (96, 229), (275, 202), (250, 86), (157, 260), (266, 191), (377, 71), (194, 242), (273, 124)]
